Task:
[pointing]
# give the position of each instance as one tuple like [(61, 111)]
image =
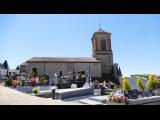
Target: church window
[(103, 44)]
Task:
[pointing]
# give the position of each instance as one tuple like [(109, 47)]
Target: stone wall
[(51, 68)]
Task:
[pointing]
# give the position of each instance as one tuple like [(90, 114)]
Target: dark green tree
[(5, 64), (17, 68), (119, 72)]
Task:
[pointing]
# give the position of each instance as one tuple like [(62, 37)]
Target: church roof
[(100, 31), (64, 59), (24, 63)]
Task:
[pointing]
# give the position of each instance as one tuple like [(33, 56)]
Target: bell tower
[(102, 50)]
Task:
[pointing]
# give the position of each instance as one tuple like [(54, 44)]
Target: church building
[(100, 65)]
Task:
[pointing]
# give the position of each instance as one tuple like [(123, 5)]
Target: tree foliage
[(5, 64), (140, 84), (126, 85)]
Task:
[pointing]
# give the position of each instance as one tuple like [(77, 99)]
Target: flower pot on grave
[(134, 94)]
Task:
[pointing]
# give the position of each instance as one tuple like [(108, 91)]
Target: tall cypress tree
[(17, 68), (5, 64), (120, 73)]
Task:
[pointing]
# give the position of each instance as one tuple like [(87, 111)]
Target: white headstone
[(73, 85)]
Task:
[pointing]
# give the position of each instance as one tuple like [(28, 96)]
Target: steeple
[(101, 47)]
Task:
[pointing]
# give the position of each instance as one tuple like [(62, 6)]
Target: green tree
[(17, 68), (5, 64)]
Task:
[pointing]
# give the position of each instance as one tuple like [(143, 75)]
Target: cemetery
[(80, 87)]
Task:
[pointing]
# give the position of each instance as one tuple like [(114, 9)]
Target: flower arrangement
[(42, 81), (15, 83), (32, 81), (118, 99)]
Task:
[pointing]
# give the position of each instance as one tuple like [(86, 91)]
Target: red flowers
[(32, 81)]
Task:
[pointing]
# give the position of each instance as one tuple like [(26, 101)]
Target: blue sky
[(135, 38)]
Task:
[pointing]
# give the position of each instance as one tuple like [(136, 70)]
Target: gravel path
[(9, 96)]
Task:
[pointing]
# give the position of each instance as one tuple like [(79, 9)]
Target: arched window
[(103, 45)]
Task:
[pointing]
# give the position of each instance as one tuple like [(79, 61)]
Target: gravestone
[(51, 80), (132, 81), (55, 79), (144, 80)]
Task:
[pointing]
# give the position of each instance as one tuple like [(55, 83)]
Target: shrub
[(158, 83), (126, 85), (153, 84), (150, 77), (115, 86), (42, 81), (35, 90), (8, 81), (22, 82), (140, 84)]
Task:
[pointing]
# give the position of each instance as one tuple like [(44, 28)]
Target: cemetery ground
[(10, 96)]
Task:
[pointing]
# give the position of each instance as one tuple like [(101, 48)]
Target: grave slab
[(69, 93)]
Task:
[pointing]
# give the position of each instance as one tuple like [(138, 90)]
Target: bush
[(126, 85), (150, 77), (8, 81), (22, 82), (140, 84), (153, 84), (42, 81), (115, 86), (158, 84), (35, 90)]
